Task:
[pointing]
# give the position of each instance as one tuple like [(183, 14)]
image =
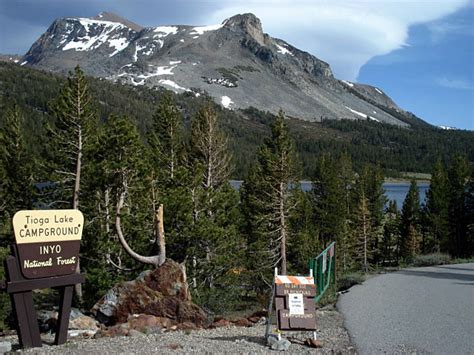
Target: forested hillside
[(117, 153), (393, 148)]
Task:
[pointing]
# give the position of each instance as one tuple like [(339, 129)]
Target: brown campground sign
[(294, 302), (48, 241)]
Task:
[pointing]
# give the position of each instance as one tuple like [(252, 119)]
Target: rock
[(5, 346), (135, 333), (243, 322), (313, 343), (253, 319), (153, 330), (281, 345), (83, 322), (162, 292), (47, 321), (140, 322), (220, 323), (271, 339)]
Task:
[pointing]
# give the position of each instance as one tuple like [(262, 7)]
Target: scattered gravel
[(232, 339)]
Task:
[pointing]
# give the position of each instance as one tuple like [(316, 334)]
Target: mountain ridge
[(235, 62)]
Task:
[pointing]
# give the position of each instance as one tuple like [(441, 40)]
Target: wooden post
[(63, 316), (23, 306)]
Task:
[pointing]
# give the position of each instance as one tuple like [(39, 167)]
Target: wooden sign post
[(45, 255), (293, 301)]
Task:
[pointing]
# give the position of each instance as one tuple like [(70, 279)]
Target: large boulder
[(162, 292)]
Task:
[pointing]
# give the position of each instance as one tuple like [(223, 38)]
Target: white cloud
[(345, 34), (455, 83)]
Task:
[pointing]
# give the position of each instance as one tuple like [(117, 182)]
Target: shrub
[(348, 280), (430, 259)]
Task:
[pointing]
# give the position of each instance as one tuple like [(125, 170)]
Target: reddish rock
[(220, 323), (254, 319), (162, 292), (243, 322), (141, 322)]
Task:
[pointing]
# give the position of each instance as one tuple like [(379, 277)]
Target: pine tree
[(363, 233), (70, 136), (390, 246), (214, 233), (118, 183), (268, 195), (329, 201), (458, 177), (436, 209), (166, 138), (409, 228), (470, 216), (16, 171), (376, 199)]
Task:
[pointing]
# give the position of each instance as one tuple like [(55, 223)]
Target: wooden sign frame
[(45, 255), (20, 290), (280, 301)]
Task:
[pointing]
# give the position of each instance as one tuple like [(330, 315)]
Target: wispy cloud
[(440, 30), (455, 83), (345, 34)]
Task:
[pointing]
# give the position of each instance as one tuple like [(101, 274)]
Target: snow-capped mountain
[(235, 62)]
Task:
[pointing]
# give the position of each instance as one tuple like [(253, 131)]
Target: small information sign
[(296, 304)]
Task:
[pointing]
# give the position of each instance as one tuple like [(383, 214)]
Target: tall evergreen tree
[(271, 198), (214, 234), (363, 232), (458, 176), (16, 171), (376, 199), (166, 138), (329, 200), (436, 209), (118, 183), (390, 246), (470, 215), (70, 136), (409, 228)]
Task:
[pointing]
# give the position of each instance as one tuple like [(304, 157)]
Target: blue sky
[(420, 52)]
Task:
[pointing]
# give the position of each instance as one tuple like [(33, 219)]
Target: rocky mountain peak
[(111, 17), (247, 23), (235, 63)]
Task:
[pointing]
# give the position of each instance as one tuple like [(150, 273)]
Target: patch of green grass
[(350, 279), (430, 260)]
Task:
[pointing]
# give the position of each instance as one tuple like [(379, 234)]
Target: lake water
[(393, 190)]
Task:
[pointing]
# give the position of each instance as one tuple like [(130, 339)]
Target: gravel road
[(419, 310), (225, 340)]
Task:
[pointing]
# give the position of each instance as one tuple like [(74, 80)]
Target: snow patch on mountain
[(226, 101), (172, 84), (164, 31), (348, 83), (363, 115), (283, 50), (201, 29), (105, 34), (119, 44)]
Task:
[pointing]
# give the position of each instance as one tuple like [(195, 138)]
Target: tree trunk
[(161, 233), (75, 204), (283, 230), (155, 260)]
